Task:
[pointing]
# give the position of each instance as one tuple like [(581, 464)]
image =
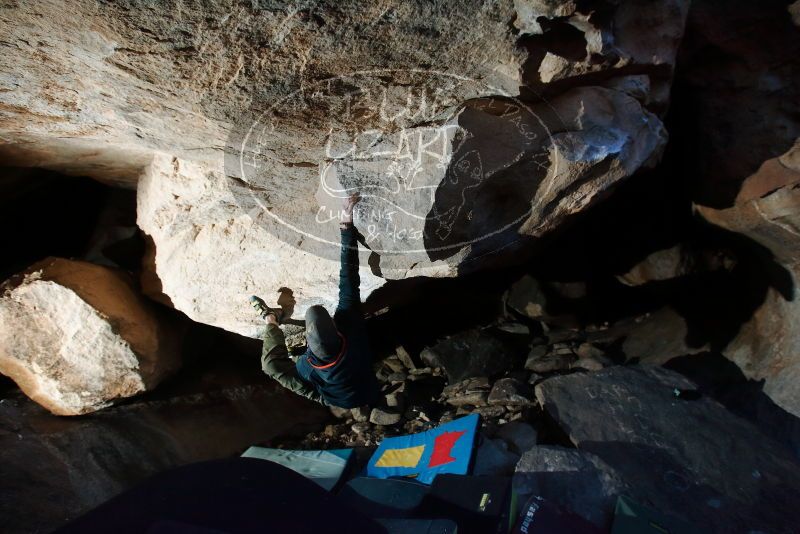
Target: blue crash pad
[(444, 449)]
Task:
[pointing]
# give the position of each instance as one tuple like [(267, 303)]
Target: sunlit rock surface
[(75, 337), (243, 126)]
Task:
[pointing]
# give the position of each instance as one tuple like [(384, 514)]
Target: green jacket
[(276, 363)]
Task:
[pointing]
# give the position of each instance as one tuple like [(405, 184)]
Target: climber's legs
[(277, 364)]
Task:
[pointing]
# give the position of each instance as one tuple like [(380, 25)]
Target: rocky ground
[(559, 403), (602, 260), (421, 392)]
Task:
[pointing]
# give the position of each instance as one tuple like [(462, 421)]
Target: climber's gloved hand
[(349, 203)]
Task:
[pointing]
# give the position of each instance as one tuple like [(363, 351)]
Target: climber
[(336, 369)]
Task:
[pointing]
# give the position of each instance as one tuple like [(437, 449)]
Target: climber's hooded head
[(322, 336)]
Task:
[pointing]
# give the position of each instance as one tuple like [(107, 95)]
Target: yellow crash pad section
[(408, 457)]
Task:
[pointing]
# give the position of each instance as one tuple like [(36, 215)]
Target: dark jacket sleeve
[(349, 296)]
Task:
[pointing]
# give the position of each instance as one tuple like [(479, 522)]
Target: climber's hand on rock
[(271, 319), (349, 204)]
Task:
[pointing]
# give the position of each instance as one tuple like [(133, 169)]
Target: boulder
[(657, 337), (472, 391), (591, 363), (688, 457), (490, 412), (76, 337), (519, 436), (541, 360), (360, 414), (511, 392), (660, 265), (514, 328), (526, 297), (405, 358), (767, 210), (674, 262), (737, 80), (396, 400), (576, 480), (493, 458), (474, 353), (240, 162), (530, 11), (394, 365), (396, 378), (340, 413), (430, 358), (590, 358), (587, 350), (536, 353), (385, 416)]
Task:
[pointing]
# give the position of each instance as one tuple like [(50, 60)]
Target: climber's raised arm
[(349, 281)]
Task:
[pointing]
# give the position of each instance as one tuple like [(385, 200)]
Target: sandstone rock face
[(746, 182), (660, 265), (767, 210), (209, 256), (85, 461), (794, 11), (76, 336), (689, 458), (740, 84), (674, 262), (657, 338), (569, 41), (243, 126)]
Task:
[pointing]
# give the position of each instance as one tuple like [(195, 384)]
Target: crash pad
[(323, 467), (540, 516), (234, 496), (384, 498), (477, 504), (444, 449)]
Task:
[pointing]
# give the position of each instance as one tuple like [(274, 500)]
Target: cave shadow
[(715, 318), (596, 247), (733, 117), (486, 191), (415, 312), (722, 380), (715, 303), (45, 213)]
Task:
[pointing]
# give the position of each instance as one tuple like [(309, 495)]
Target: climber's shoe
[(262, 309)]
